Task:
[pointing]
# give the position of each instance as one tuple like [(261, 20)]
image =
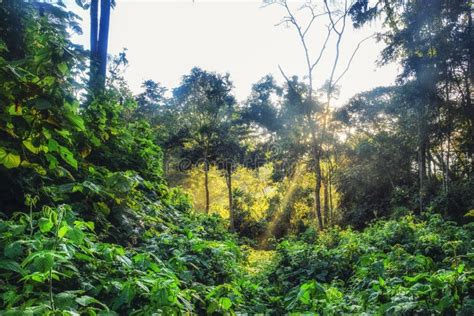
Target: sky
[(166, 38)]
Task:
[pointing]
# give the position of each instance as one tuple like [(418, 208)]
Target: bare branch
[(331, 19), (340, 34), (313, 18), (352, 57), (283, 21), (323, 48)]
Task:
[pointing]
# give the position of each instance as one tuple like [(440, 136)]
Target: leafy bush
[(392, 267)]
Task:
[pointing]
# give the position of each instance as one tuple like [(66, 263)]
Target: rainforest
[(197, 199)]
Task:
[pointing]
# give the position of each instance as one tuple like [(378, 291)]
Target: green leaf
[(85, 300), (74, 119), (67, 156), (88, 300), (470, 213), (39, 277), (63, 231), (15, 110), (9, 160), (11, 265), (225, 303), (45, 225), (36, 167), (212, 307), (13, 250), (381, 281), (34, 149), (52, 145), (64, 133), (49, 80), (44, 263), (53, 162), (65, 300), (444, 303), (63, 68), (77, 121), (76, 235)]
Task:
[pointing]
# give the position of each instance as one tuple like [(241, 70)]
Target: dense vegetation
[(361, 210)]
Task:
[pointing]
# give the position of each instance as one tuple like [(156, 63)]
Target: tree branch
[(352, 57)]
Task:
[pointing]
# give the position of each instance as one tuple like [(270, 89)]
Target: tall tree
[(99, 38), (204, 103), (433, 42), (318, 121), (230, 152)]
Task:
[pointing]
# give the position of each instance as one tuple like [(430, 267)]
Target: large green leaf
[(34, 149), (9, 160), (75, 235), (53, 162), (13, 250), (36, 167), (225, 303), (63, 68), (73, 117), (11, 265), (44, 263), (67, 156), (45, 225), (63, 230)]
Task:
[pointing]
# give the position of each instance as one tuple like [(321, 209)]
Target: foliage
[(392, 267), (89, 224)]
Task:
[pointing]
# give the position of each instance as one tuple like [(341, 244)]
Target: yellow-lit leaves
[(34, 149), (67, 156), (8, 159), (15, 110), (36, 167)]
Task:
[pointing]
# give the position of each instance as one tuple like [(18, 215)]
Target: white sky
[(165, 39)]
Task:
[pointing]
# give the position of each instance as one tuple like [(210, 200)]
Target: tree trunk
[(330, 198), (206, 185), (103, 42), (469, 83), (430, 173), (421, 156), (94, 16), (317, 191), (421, 175), (231, 202), (326, 199), (447, 167)]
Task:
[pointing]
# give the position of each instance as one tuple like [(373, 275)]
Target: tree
[(230, 152), (152, 101), (99, 37), (204, 103), (374, 176), (433, 42), (319, 120)]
